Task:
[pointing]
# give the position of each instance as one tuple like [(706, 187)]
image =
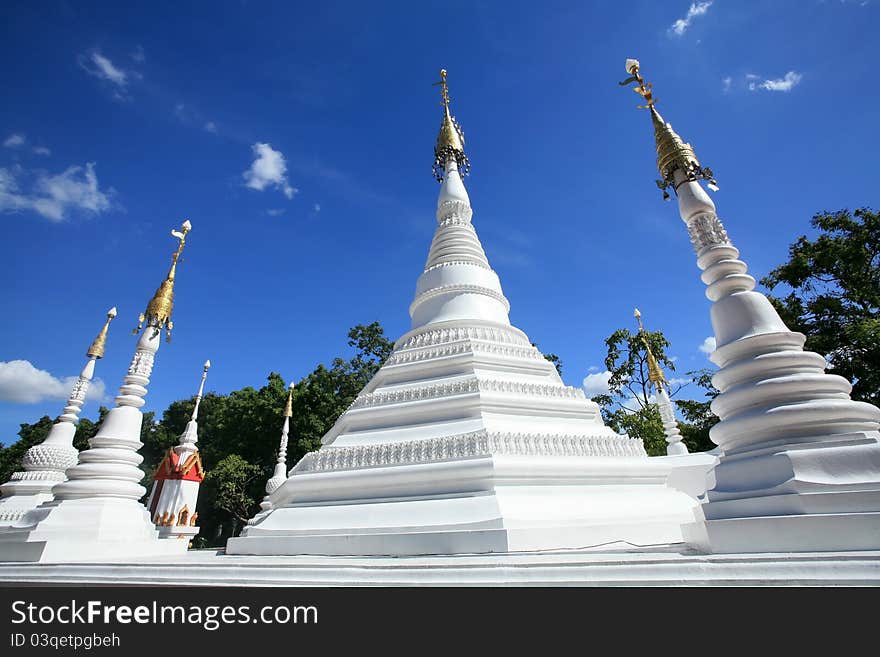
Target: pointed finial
[(205, 369), (655, 374), (96, 350), (158, 313), (672, 151), (288, 408), (450, 141)]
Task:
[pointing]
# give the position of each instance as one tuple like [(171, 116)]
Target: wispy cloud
[(275, 212), (725, 84), (316, 208), (708, 345), (15, 140), (22, 383), (268, 170), (785, 84), (100, 66), (696, 9), (138, 54), (54, 196), (41, 150), (211, 127)]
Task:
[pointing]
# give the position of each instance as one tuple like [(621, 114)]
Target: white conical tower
[(96, 512), (43, 465), (674, 445), (175, 491), (800, 462), (280, 475), (466, 440)]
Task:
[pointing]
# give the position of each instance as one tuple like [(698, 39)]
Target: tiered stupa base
[(810, 497), (480, 501), (87, 529)]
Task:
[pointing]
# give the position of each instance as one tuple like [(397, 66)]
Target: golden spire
[(450, 141), (96, 350), (288, 408), (672, 151), (655, 374), (159, 309)]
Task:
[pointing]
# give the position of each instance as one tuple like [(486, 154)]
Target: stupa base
[(87, 529), (492, 504)]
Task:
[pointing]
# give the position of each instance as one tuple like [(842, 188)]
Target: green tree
[(834, 295), (697, 414), (627, 408), (553, 358), (232, 486)]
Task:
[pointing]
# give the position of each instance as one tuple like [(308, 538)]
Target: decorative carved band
[(141, 364), (466, 386), (449, 263), (434, 337), (706, 230), (38, 475), (468, 445), (464, 347), (50, 457), (454, 209), (460, 289)]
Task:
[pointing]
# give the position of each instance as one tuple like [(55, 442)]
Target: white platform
[(613, 565)]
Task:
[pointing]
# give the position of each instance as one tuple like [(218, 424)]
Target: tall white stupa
[(96, 513), (175, 492), (799, 468), (43, 465), (466, 440)]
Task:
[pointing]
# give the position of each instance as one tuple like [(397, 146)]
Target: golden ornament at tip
[(450, 141), (655, 373), (158, 313), (672, 151), (288, 407), (96, 350)]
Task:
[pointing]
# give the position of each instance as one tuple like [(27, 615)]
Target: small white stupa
[(279, 476), (799, 468), (674, 445), (175, 491), (43, 465), (96, 513), (466, 440)]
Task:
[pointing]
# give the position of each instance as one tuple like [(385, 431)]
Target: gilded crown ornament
[(655, 374), (288, 407), (672, 152), (450, 141), (96, 349), (158, 313)]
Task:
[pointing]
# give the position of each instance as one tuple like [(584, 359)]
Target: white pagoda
[(43, 465), (175, 491), (96, 513), (799, 468), (466, 440)]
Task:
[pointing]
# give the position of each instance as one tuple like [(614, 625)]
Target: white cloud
[(786, 83), (101, 67), (14, 140), (316, 208), (708, 345), (726, 82), (41, 150), (211, 127), (53, 196), (696, 9), (22, 383), (138, 54), (596, 383), (268, 168), (275, 212)]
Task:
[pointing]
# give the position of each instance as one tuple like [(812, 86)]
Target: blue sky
[(120, 120)]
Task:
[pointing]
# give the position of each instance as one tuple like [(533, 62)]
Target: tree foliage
[(834, 295), (628, 406)]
